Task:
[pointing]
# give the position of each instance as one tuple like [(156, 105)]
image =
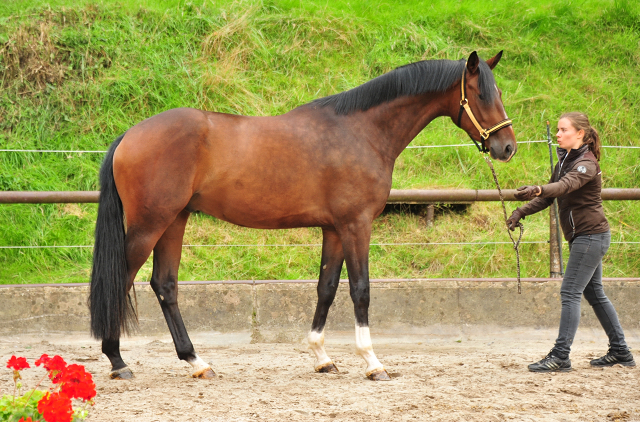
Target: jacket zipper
[(560, 169), (573, 226)]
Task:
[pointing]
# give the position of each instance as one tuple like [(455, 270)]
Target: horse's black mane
[(412, 79)]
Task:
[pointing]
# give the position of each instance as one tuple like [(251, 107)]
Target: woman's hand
[(516, 216), (524, 193)]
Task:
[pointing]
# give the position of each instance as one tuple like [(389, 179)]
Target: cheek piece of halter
[(464, 106)]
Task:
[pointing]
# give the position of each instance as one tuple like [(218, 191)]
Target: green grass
[(77, 74)]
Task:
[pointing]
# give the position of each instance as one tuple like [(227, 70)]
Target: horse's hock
[(282, 312)]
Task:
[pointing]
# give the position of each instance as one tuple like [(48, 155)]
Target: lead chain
[(504, 211)]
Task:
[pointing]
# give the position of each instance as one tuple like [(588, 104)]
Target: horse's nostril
[(509, 149)]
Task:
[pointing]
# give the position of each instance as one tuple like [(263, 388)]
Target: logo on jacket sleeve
[(582, 169)]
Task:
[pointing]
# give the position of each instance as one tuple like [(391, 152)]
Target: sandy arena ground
[(473, 378)]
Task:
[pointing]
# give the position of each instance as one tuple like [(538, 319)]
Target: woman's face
[(568, 137)]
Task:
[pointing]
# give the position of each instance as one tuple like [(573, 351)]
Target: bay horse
[(324, 164)]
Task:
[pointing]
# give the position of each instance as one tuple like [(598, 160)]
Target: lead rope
[(504, 210)]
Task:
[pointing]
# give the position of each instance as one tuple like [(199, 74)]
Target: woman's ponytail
[(593, 140)]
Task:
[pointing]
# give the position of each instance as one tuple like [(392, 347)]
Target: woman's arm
[(536, 205), (539, 203), (582, 172)]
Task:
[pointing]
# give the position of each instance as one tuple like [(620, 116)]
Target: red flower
[(77, 383), (56, 407), (17, 363), (55, 363), (26, 420), (55, 366), (44, 360)]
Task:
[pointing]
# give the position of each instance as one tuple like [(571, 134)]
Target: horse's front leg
[(330, 267), (164, 282), (355, 244)]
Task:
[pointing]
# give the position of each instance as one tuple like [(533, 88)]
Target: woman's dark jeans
[(583, 275)]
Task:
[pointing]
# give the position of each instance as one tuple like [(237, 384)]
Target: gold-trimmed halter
[(464, 106)]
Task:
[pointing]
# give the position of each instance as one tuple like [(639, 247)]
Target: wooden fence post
[(430, 215), (555, 251)]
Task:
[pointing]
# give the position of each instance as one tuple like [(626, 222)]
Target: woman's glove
[(516, 216), (524, 193)]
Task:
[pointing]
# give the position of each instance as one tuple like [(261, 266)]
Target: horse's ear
[(473, 62), (492, 62)]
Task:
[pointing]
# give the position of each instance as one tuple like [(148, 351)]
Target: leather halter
[(464, 106)]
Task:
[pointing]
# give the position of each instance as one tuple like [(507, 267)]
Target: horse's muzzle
[(503, 153)]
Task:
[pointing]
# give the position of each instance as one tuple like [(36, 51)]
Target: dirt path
[(443, 380)]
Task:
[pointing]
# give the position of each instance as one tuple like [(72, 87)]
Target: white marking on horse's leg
[(316, 344), (121, 374), (199, 366), (365, 349)]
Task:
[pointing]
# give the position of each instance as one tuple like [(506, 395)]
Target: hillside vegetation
[(76, 74)]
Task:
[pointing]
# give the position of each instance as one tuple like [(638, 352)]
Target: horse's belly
[(264, 212)]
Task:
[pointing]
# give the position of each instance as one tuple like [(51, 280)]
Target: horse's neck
[(401, 120)]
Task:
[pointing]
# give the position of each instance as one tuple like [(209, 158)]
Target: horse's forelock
[(486, 83)]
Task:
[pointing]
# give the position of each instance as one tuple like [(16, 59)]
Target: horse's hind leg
[(330, 267), (138, 246), (119, 369), (164, 281)]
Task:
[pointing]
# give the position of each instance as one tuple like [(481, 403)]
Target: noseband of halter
[(464, 106)]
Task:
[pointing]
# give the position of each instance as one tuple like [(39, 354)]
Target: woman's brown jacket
[(576, 182)]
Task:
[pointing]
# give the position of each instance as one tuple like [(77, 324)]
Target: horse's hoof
[(327, 368), (204, 374), (378, 375), (121, 374)]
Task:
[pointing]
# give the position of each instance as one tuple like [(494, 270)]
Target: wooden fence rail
[(408, 196)]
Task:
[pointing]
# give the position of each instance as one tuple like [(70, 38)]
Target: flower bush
[(69, 384)]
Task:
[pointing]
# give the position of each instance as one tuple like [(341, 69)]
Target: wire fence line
[(51, 150), (308, 245), (409, 147), (293, 245), (521, 142)]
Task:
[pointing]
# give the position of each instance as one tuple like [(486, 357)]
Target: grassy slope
[(76, 74)]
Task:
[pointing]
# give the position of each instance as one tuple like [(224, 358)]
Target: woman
[(577, 182)]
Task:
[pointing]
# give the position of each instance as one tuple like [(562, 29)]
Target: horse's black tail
[(110, 305)]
